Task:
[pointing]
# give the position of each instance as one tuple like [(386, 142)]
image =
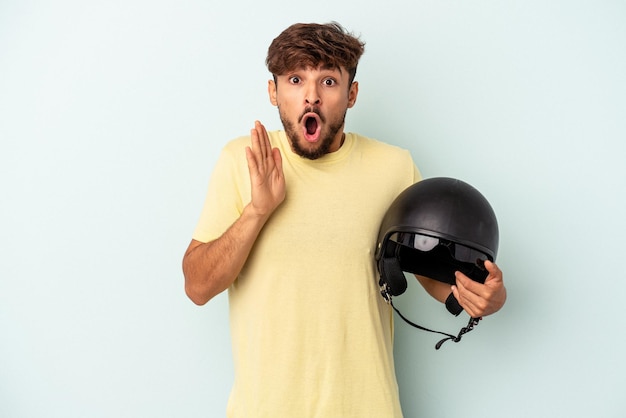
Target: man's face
[(312, 104)]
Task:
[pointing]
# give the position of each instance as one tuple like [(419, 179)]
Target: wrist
[(255, 215)]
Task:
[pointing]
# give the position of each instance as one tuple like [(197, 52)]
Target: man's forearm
[(210, 268), (436, 289)]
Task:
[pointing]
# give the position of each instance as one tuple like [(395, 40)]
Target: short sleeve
[(227, 194)]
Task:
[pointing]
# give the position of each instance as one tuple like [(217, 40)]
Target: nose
[(312, 96)]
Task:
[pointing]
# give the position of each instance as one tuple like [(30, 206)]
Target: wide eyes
[(327, 82)]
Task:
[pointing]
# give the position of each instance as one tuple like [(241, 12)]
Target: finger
[(466, 300), (468, 293), (252, 164), (278, 160), (465, 282), (459, 293), (255, 144), (263, 140), (494, 271), (456, 293), (254, 153)]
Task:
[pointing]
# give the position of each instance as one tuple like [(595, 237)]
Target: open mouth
[(311, 127)]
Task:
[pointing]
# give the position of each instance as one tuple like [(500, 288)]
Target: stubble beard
[(323, 147)]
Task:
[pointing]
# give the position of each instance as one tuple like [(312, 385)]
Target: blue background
[(112, 115)]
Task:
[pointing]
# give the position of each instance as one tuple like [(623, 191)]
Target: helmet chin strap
[(470, 325), (393, 283)]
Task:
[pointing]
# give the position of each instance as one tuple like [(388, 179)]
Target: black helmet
[(434, 228)]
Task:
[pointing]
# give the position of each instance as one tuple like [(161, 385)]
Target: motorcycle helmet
[(434, 228)]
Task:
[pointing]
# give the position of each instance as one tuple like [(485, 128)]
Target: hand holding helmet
[(478, 299)]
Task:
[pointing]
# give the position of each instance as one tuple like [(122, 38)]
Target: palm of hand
[(266, 172)]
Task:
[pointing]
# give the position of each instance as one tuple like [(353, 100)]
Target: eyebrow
[(320, 67), (330, 68)]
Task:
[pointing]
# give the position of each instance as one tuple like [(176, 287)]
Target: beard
[(328, 134)]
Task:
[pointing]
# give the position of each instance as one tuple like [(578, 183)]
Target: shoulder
[(231, 161), (381, 157), (377, 144), (236, 145), (383, 151), (239, 144)]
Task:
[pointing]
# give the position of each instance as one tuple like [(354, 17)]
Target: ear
[(271, 90), (353, 93)]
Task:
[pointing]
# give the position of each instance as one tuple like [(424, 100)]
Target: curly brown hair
[(310, 45)]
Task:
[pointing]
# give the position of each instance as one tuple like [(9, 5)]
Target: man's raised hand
[(265, 165)]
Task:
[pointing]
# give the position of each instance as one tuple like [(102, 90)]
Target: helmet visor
[(426, 243), (438, 258)]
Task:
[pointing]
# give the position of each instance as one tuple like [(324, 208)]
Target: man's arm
[(438, 290), (477, 299), (210, 268)]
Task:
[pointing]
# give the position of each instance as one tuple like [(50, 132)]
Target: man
[(289, 227)]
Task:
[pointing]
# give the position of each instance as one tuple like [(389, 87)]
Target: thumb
[(495, 274)]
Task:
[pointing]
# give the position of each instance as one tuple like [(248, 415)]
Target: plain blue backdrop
[(112, 115)]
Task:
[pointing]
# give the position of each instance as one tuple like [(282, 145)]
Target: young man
[(289, 228)]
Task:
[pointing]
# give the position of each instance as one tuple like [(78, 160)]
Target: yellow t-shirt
[(311, 335)]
